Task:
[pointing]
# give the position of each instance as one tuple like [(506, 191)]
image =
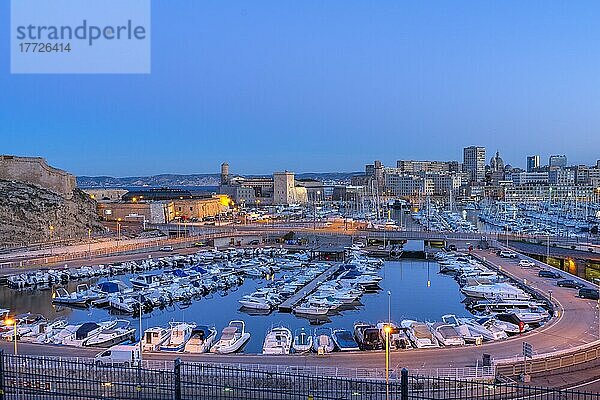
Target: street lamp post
[(387, 329), (389, 307), (13, 322), (51, 227), (90, 242), (118, 231)]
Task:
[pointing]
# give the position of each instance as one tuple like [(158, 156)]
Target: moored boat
[(180, 334), (344, 340), (322, 341), (233, 338), (201, 340), (278, 341), (302, 341)]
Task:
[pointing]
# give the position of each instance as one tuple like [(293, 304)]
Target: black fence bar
[(47, 378)]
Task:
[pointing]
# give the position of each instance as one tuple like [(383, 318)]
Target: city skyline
[(320, 87)]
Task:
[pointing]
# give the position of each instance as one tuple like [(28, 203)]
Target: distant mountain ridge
[(169, 180)]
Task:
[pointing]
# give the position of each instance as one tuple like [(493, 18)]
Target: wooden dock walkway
[(310, 287)]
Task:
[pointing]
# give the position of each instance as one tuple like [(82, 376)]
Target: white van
[(120, 355)]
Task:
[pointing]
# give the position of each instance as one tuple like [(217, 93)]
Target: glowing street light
[(387, 329), (12, 322)]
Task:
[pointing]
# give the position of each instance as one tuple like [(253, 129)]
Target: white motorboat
[(471, 331), (255, 303), (86, 331), (80, 298), (201, 340), (323, 341), (495, 325), (180, 334), (118, 334), (487, 306), (47, 330), (500, 290), (302, 342), (26, 324), (446, 334), (146, 281), (419, 334), (311, 309), (535, 315), (233, 338), (124, 304), (398, 338), (278, 341), (154, 338)]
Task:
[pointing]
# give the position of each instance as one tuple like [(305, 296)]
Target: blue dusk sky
[(321, 86)]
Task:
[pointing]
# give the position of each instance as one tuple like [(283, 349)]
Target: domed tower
[(496, 163), (224, 174)]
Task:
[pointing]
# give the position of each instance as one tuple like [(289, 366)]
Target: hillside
[(28, 211), (173, 180)]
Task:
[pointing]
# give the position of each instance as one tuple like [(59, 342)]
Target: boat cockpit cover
[(83, 330), (109, 287), (229, 332)]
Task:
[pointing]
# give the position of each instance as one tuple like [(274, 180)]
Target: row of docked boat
[(192, 338), (492, 295), (45, 278), (276, 292), (37, 329), (359, 275), (188, 278), (439, 220)]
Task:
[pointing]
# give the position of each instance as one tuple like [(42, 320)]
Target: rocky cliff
[(28, 212)]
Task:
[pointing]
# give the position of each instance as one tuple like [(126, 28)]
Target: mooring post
[(177, 382), (2, 374), (404, 384)]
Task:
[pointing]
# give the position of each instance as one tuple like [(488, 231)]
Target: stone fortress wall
[(35, 171)]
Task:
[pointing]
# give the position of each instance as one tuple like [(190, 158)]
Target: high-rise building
[(533, 163), (474, 162), (559, 161)]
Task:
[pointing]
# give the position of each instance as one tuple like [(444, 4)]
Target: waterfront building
[(106, 195), (281, 188), (542, 193), (163, 211), (285, 190), (413, 166), (559, 176), (409, 186), (474, 162), (444, 184), (528, 178)]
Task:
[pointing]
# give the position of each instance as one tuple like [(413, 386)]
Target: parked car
[(507, 254), (526, 263), (451, 247), (570, 283), (120, 355), (549, 274), (166, 248), (589, 293)]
